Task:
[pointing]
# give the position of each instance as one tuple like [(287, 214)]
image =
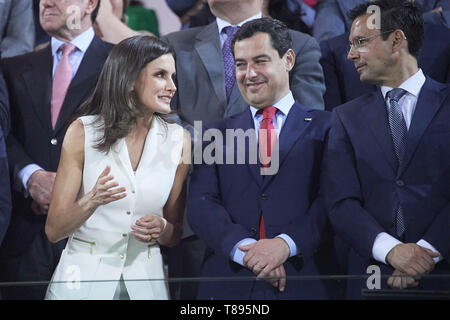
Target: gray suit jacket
[(201, 81), (16, 27), (331, 15)]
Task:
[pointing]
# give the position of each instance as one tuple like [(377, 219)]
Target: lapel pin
[(308, 119)]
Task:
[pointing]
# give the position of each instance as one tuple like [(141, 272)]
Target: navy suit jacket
[(226, 200), (342, 80), (364, 184), (5, 194), (4, 105), (32, 139)]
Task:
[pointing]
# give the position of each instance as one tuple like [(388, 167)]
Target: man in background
[(45, 88)]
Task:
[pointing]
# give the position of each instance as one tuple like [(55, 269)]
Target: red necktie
[(61, 81), (311, 3), (267, 137)]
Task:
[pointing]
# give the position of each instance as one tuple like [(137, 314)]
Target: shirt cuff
[(427, 245), (236, 254), (383, 243), (26, 173), (290, 242)]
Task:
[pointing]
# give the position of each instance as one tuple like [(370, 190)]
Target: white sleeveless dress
[(102, 250)]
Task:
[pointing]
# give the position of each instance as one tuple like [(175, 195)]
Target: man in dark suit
[(387, 164), (332, 20), (45, 88), (206, 90), (4, 105), (201, 90), (5, 194), (264, 218), (342, 81)]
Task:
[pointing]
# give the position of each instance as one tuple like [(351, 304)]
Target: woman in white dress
[(120, 191)]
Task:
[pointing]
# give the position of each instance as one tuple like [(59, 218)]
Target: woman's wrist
[(164, 224)]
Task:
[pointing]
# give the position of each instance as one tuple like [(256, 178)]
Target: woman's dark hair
[(113, 98)]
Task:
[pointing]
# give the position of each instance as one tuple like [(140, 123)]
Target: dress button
[(264, 196), (128, 212), (122, 257), (132, 191), (124, 235), (400, 183), (54, 141), (253, 231)]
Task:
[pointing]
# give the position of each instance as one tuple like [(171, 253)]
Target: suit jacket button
[(400, 183), (253, 231), (54, 141), (264, 196)]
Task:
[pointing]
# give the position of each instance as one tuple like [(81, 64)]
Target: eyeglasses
[(360, 44)]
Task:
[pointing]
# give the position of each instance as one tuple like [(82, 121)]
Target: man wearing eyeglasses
[(387, 169)]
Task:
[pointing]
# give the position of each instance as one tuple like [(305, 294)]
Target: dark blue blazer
[(5, 194), (364, 184), (226, 200), (4, 105), (342, 80)]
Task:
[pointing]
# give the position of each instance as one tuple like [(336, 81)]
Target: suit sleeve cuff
[(25, 174), (290, 243), (383, 243), (236, 254), (427, 245)]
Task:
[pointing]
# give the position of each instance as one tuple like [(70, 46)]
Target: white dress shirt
[(384, 242), (82, 43), (284, 106)]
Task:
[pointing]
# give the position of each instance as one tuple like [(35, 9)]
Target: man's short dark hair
[(277, 30), (397, 14)]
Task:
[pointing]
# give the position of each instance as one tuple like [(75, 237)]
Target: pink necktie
[(61, 81)]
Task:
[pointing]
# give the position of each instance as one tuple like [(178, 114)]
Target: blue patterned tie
[(398, 132), (228, 61)]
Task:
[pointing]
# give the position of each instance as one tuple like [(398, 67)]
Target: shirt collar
[(222, 23), (284, 105), (412, 85), (82, 41)]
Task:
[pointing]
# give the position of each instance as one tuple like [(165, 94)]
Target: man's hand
[(411, 258), (38, 210), (438, 9), (280, 274), (400, 280), (40, 187), (265, 255)]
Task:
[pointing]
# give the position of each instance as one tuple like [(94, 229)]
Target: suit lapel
[(376, 119), (293, 128), (235, 104), (245, 121), (208, 48), (429, 102), (82, 83), (40, 72)]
